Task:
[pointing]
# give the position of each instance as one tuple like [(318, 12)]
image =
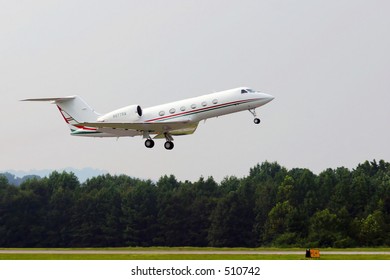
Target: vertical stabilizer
[(73, 109), (77, 109)]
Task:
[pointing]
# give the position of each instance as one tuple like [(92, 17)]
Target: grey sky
[(326, 62)]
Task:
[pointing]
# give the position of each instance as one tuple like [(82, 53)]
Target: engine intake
[(125, 114)]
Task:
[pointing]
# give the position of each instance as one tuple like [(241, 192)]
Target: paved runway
[(183, 252)]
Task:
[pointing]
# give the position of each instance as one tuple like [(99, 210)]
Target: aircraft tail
[(73, 109)]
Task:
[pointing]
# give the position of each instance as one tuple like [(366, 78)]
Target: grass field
[(185, 253), (184, 257)]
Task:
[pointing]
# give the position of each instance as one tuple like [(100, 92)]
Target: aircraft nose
[(267, 97)]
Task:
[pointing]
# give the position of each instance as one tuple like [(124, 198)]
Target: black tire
[(256, 121), (149, 143), (168, 145)]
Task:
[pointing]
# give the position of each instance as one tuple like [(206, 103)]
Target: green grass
[(196, 256), (144, 257), (364, 249), (183, 257), (161, 249)]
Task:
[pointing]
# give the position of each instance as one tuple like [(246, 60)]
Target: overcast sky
[(326, 62)]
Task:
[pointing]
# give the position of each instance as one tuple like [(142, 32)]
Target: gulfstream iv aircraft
[(161, 121)]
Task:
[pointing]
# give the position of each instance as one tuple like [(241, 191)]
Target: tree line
[(16, 181), (272, 206)]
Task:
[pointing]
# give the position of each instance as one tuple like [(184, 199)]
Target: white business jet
[(162, 121)]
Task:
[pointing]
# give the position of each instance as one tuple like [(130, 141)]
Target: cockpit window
[(247, 90)]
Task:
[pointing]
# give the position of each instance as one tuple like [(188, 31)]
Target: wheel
[(149, 143), (256, 121), (168, 145)]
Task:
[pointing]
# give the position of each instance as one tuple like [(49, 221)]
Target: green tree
[(59, 216), (324, 229), (229, 184), (173, 218), (272, 206), (139, 208), (3, 182), (232, 223), (372, 229), (281, 220), (63, 180)]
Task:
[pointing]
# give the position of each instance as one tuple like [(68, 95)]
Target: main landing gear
[(149, 143), (169, 144), (253, 112)]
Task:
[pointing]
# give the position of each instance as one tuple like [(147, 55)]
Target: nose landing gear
[(253, 112)]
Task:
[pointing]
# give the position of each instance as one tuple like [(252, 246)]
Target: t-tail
[(75, 111)]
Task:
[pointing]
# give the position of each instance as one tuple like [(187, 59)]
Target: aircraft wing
[(174, 128)]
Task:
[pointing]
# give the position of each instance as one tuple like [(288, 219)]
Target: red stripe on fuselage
[(85, 128), (202, 109), (71, 118)]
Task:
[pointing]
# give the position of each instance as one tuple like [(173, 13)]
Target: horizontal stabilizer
[(73, 109), (52, 99)]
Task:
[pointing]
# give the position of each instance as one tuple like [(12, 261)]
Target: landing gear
[(169, 145), (149, 143), (253, 112)]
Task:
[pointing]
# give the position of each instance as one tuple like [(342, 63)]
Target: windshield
[(247, 90)]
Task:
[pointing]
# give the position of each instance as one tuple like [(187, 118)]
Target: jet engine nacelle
[(125, 114)]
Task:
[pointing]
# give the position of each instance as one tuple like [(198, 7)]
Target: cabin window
[(182, 108), (193, 106), (162, 113), (215, 101), (172, 111), (204, 103), (243, 91)]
